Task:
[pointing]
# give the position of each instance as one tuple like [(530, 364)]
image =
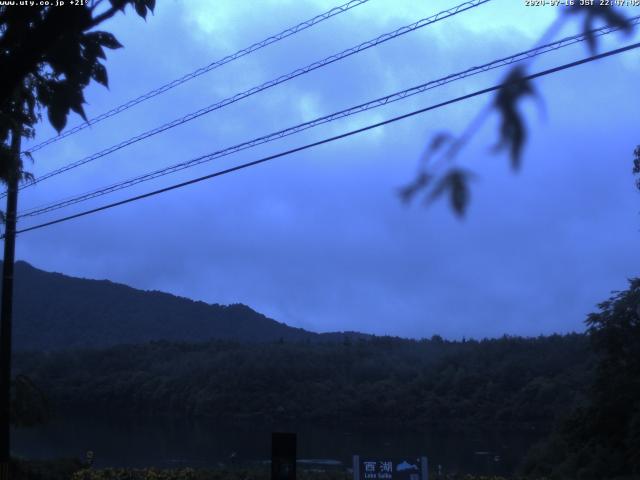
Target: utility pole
[(6, 307)]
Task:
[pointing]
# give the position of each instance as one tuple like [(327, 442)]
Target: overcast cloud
[(319, 239)]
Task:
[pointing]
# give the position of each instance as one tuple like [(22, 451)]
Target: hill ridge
[(54, 311)]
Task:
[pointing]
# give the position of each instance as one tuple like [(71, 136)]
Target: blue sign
[(409, 468)]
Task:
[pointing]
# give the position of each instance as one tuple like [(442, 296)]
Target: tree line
[(507, 382)]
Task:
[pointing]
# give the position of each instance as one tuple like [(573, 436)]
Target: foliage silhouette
[(506, 103), (509, 382), (601, 439), (512, 128), (636, 165), (48, 55)]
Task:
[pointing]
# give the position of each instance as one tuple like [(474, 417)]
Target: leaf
[(141, 8), (636, 165), (512, 127), (607, 14), (92, 46), (459, 194), (455, 182), (66, 95), (76, 100), (57, 113), (107, 40), (590, 37), (99, 74), (79, 109), (28, 177), (71, 92)]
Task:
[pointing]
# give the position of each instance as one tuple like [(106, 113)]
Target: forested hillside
[(55, 311), (502, 382), (601, 439)]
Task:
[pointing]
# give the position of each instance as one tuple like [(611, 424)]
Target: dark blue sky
[(319, 240)]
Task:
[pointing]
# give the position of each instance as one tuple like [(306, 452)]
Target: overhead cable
[(330, 139), (201, 71), (378, 102), (272, 83)]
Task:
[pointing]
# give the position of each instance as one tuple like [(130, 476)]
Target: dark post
[(6, 310), (424, 467), (283, 456), (356, 467)]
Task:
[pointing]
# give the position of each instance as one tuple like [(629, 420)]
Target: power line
[(39, 210), (247, 93), (330, 139), (201, 71)]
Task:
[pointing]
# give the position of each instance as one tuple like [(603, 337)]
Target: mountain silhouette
[(53, 311)]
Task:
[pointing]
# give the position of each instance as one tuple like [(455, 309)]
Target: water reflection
[(162, 442)]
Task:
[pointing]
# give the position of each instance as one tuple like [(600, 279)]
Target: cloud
[(320, 239)]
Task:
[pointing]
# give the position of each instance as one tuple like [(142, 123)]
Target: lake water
[(162, 442)]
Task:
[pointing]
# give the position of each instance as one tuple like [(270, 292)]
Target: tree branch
[(107, 14)]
